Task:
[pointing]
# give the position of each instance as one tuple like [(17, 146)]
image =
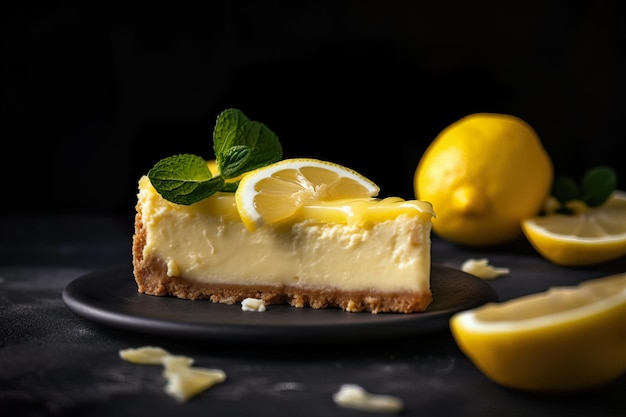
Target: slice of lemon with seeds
[(563, 339), (274, 194), (591, 236)]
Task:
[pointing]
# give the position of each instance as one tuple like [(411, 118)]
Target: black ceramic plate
[(110, 297)]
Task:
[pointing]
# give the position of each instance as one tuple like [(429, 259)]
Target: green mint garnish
[(240, 145), (596, 187), (184, 179)]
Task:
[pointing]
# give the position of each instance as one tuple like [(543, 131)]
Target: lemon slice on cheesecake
[(275, 193)]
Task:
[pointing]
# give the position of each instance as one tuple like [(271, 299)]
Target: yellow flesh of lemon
[(589, 237), (563, 339)]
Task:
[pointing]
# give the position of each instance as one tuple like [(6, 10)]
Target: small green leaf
[(595, 189), (240, 145), (225, 131), (564, 189), (598, 185), (261, 148), (230, 187), (189, 194), (184, 179), (235, 160), (266, 148)]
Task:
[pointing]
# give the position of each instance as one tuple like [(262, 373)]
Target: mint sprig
[(240, 145), (596, 187)]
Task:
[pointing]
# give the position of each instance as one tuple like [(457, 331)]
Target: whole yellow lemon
[(484, 174)]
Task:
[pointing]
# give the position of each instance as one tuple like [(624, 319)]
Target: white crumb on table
[(253, 304), (184, 381), (355, 397), (481, 269)]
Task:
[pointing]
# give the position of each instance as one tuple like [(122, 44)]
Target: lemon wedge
[(564, 339), (275, 193), (591, 236)]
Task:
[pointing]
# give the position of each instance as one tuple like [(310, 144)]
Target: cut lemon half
[(592, 236), (276, 193), (563, 339)]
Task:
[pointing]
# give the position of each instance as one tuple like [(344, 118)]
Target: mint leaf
[(564, 189), (225, 133), (266, 148), (230, 187), (184, 179), (240, 145), (234, 161), (598, 185)]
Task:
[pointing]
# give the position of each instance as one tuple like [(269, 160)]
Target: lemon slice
[(275, 193), (592, 236), (563, 339)]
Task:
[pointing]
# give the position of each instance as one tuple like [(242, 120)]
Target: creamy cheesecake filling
[(209, 243), (355, 247)]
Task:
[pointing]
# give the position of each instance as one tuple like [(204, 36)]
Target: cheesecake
[(300, 232), (378, 262)]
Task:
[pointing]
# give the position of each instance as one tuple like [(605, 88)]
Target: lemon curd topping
[(365, 212)]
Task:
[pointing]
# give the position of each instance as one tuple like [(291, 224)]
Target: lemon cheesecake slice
[(303, 232)]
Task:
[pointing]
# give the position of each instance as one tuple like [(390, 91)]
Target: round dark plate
[(110, 297)]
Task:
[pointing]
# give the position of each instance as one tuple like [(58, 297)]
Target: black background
[(94, 95)]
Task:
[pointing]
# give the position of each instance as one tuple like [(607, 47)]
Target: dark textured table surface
[(54, 362)]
